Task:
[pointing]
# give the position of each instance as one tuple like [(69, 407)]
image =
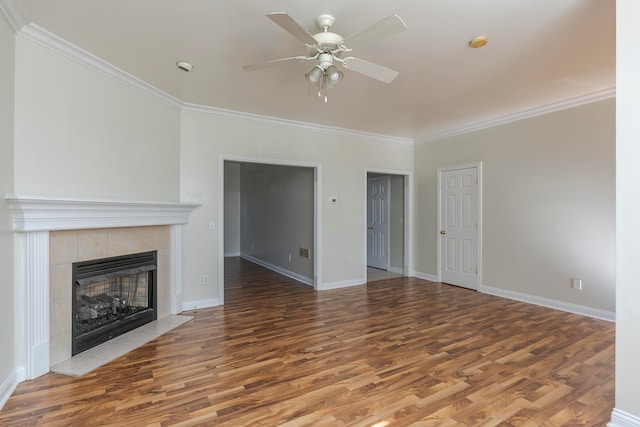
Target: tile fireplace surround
[(52, 233)]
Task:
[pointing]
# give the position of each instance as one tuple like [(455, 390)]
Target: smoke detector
[(184, 66)]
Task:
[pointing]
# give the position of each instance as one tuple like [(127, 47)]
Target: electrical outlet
[(211, 225), (205, 280), (289, 257), (576, 284)]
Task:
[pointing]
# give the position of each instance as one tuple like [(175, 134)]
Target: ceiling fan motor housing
[(328, 41)]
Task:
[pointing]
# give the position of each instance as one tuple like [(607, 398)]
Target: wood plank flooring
[(392, 353)]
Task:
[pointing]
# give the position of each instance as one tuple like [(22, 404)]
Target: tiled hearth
[(93, 358), (52, 233)]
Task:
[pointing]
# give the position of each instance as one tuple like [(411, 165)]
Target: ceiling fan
[(328, 49)]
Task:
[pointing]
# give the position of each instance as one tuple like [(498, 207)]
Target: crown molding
[(221, 112), (23, 27), (14, 13), (57, 44), (526, 114)]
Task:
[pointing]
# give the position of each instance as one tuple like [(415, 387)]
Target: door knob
[(370, 227), (443, 232)]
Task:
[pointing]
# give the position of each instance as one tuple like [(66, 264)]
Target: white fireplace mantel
[(35, 216), (41, 213)]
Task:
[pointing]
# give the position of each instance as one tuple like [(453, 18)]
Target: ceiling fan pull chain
[(324, 83)]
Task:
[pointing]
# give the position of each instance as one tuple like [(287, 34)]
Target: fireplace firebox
[(112, 296)]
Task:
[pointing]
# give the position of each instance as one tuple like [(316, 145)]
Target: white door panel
[(378, 222), (459, 227)]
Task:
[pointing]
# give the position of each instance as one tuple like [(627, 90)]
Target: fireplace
[(112, 296), (51, 233)]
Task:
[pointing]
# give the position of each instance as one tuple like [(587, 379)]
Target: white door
[(378, 222), (459, 227)]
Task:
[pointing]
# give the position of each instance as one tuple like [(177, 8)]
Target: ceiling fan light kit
[(328, 48), (333, 73), (315, 74)]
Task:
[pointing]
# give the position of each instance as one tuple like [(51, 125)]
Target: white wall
[(7, 314), (343, 159), (80, 133), (627, 409), (548, 203), (231, 209), (277, 219)]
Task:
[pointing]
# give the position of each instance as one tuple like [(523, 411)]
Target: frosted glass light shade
[(315, 74)]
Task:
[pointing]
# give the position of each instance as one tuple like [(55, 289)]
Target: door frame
[(317, 212), (387, 231), (441, 170), (407, 268)]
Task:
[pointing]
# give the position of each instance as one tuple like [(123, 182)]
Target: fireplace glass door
[(112, 296)]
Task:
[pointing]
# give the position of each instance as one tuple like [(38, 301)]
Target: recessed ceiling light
[(478, 42), (184, 66)]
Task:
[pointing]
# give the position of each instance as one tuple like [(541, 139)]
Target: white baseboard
[(623, 419), (551, 303), (231, 254), (396, 270), (425, 276), (203, 303), (10, 383), (278, 269), (340, 284)]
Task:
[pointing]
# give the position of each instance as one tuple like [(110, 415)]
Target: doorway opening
[(270, 214), (387, 237)]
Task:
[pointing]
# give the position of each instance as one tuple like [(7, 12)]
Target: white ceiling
[(540, 52)]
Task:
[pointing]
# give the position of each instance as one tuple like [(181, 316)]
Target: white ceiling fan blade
[(370, 69), (291, 26), (274, 63), (388, 26)]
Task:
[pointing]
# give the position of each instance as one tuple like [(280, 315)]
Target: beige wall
[(548, 203), (628, 211), (8, 329), (81, 133), (277, 217)]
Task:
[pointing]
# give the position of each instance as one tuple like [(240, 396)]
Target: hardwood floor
[(392, 353)]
